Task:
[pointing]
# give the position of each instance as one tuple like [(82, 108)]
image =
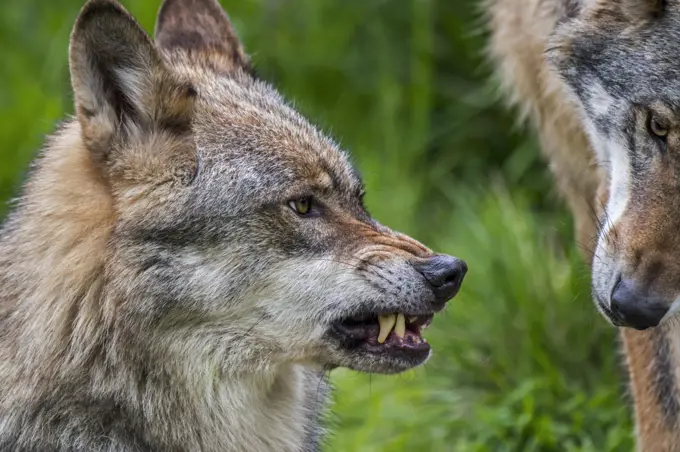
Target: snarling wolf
[(600, 80), (189, 256)]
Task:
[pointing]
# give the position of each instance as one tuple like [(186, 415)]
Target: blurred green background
[(522, 361)]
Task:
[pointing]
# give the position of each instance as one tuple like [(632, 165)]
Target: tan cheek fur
[(68, 220)]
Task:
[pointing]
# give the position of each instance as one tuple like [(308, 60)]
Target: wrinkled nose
[(634, 308), (444, 274)]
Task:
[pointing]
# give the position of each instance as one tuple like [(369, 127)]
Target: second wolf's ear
[(119, 80), (202, 28)]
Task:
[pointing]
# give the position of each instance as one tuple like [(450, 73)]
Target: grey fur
[(665, 385)]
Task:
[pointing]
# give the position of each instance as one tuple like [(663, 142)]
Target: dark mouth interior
[(365, 329)]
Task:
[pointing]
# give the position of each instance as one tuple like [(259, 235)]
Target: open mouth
[(396, 335)]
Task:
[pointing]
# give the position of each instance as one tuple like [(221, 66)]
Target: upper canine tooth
[(400, 328), (412, 319), (386, 324)]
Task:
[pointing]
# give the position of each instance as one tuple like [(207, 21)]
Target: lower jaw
[(376, 358)]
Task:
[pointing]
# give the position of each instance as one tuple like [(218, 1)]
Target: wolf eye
[(657, 127), (302, 206)]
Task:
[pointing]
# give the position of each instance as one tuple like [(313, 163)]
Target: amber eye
[(302, 206), (657, 127)]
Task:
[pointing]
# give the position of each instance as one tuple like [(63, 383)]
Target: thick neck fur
[(72, 379), (653, 362)]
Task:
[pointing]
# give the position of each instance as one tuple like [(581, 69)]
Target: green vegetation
[(522, 361)]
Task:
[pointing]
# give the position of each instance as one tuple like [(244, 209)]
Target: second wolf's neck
[(653, 361)]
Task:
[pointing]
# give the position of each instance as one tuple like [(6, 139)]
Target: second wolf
[(600, 79), (190, 255)]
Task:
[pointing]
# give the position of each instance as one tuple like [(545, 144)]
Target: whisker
[(325, 374), (338, 261), (250, 329), (552, 49)]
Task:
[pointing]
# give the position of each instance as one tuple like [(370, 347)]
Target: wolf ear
[(119, 79), (643, 10), (201, 27)]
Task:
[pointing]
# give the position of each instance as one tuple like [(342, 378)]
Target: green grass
[(522, 361)]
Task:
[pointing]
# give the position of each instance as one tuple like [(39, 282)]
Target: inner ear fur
[(643, 10), (203, 29), (119, 80)]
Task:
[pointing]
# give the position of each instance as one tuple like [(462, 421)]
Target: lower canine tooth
[(400, 328), (386, 324)]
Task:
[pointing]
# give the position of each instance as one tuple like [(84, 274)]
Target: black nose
[(636, 309), (445, 275)]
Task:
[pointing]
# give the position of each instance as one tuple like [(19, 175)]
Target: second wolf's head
[(239, 235), (622, 62)]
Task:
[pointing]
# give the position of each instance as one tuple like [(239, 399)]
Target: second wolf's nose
[(636, 309), (445, 275)]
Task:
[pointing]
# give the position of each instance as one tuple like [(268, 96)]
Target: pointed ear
[(119, 79), (643, 10), (201, 27), (636, 12)]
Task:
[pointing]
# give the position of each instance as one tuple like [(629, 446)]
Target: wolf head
[(239, 236), (621, 60)]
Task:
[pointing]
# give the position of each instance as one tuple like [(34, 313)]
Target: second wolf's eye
[(302, 206), (657, 127)]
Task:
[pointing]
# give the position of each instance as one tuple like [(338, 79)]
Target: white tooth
[(386, 324), (412, 319), (400, 329)]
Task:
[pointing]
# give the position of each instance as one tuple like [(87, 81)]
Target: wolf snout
[(444, 274), (634, 308)]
